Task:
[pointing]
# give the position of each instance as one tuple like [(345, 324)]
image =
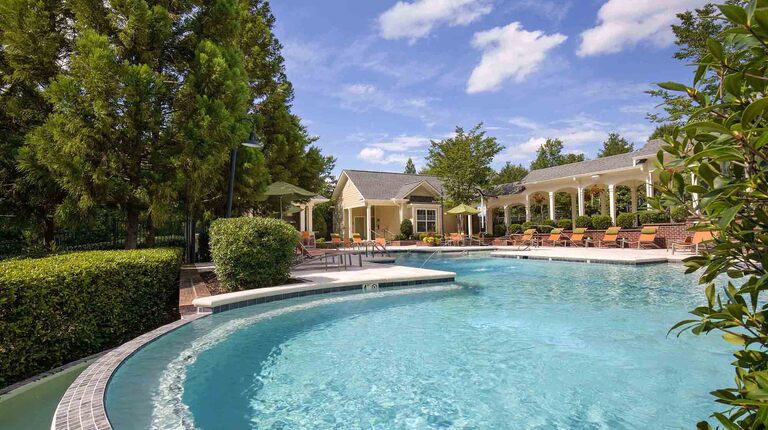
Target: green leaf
[(755, 109), (716, 49), (761, 17), (673, 86), (735, 14), (729, 214)]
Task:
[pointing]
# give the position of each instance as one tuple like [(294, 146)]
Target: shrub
[(626, 220), (565, 223), (544, 228), (549, 222), (406, 228), (601, 222), (653, 217), (526, 225), (400, 237), (252, 252), (678, 213), (58, 309), (499, 230), (319, 225), (584, 221), (515, 228)]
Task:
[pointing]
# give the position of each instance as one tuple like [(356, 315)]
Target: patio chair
[(577, 238), (528, 239), (611, 238), (455, 239), (700, 239), (336, 241), (308, 239), (554, 237), (647, 238), (357, 241)]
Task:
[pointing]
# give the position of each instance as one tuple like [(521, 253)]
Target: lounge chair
[(647, 238), (336, 241), (577, 238), (357, 241), (554, 237), (611, 238), (693, 243), (308, 239), (455, 239), (528, 239)]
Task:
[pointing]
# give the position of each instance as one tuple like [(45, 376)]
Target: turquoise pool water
[(514, 344)]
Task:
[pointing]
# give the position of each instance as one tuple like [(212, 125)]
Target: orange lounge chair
[(528, 238), (336, 241), (693, 243), (611, 238), (576, 239), (308, 239), (647, 238), (554, 237), (455, 239), (381, 241)]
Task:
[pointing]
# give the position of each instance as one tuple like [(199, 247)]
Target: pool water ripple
[(520, 345)]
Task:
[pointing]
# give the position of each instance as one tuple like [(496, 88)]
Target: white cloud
[(523, 122), (403, 143), (378, 156), (625, 23), (417, 19), (365, 97), (509, 52)]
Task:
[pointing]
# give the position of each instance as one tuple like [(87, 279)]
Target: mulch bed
[(212, 282)]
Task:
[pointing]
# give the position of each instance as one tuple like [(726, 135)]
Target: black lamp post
[(251, 143)]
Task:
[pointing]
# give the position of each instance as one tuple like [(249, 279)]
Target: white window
[(426, 220)]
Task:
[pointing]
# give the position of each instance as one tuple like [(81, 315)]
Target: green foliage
[(601, 222), (61, 308), (584, 221), (549, 222), (724, 145), (509, 173), (463, 162), (544, 228), (499, 230), (252, 252), (626, 220), (678, 213), (406, 228), (662, 130), (527, 225), (515, 228), (410, 168), (550, 154), (615, 145), (566, 223), (652, 217)]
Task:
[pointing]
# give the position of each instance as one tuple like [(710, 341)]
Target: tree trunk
[(49, 231), (150, 226), (132, 229)]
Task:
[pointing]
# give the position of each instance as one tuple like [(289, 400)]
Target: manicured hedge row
[(252, 252), (61, 308)]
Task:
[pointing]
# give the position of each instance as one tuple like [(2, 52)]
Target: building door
[(360, 226)]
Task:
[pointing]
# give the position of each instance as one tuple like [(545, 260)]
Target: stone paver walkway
[(192, 286)]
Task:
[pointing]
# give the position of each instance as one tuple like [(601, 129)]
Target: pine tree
[(410, 168), (615, 145)]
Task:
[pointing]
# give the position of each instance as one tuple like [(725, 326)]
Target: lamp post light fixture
[(252, 142)]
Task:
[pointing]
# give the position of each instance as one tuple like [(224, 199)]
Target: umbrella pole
[(281, 208)]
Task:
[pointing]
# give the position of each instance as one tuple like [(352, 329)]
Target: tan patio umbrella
[(467, 210)]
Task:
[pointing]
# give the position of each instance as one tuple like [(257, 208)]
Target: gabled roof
[(388, 185), (593, 166)]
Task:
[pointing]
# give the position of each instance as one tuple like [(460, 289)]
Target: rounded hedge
[(515, 228), (626, 220), (406, 228), (678, 213), (61, 308), (653, 217), (527, 225), (252, 252), (601, 222), (549, 222), (499, 230), (584, 221), (565, 223)]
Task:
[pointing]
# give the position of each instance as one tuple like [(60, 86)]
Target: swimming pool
[(513, 344)]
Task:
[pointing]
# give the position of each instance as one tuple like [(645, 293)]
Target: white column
[(303, 218), (527, 208), (368, 222), (402, 212), (574, 208), (612, 202), (695, 196), (580, 192), (310, 213), (648, 188), (633, 197), (413, 217), (552, 205), (469, 224), (350, 224), (506, 216)]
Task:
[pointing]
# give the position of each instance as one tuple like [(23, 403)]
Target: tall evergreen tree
[(463, 162), (550, 154), (410, 168), (615, 145)]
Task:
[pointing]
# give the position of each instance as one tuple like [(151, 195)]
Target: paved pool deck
[(593, 255)]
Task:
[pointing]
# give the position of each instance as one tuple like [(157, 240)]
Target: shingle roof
[(388, 185), (592, 166)]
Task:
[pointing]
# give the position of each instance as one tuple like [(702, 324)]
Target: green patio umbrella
[(463, 209), (288, 192)]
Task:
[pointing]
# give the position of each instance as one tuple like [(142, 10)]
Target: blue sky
[(375, 80)]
